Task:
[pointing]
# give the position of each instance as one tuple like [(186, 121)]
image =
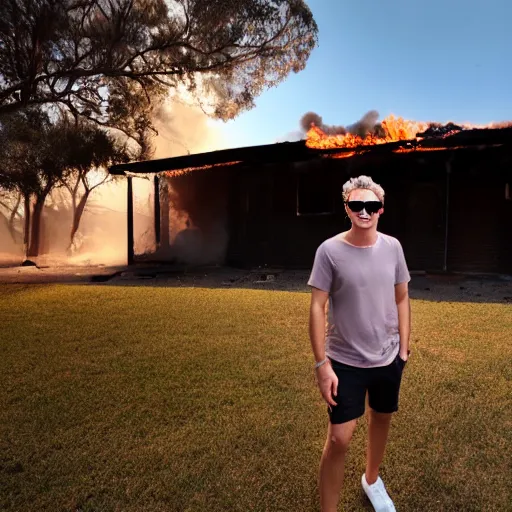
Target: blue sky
[(431, 60)]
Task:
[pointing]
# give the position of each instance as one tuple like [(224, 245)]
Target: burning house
[(448, 196)]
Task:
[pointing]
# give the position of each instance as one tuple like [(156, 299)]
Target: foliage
[(107, 60)]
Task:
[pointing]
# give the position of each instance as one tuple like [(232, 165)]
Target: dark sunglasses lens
[(373, 206), (356, 206)]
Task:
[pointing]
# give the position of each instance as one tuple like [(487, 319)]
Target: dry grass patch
[(192, 399)]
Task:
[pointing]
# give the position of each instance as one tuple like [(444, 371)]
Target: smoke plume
[(367, 125), (184, 129)]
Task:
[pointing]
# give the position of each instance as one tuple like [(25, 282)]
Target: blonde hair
[(362, 182)]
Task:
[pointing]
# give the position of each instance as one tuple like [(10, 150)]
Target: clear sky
[(434, 60)]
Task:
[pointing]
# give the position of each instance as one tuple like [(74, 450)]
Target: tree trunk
[(77, 216), (35, 232)]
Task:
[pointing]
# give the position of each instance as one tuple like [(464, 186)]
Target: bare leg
[(378, 429), (332, 464)]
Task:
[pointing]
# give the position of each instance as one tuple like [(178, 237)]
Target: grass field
[(183, 399)]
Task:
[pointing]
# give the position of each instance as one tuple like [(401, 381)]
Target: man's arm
[(403, 305), (327, 380)]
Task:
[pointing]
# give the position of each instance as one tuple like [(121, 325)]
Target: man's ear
[(381, 211)]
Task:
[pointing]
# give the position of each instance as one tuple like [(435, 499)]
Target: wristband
[(321, 363)]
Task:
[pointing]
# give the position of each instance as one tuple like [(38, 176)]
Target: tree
[(30, 165), (106, 59), (40, 155), (91, 151)]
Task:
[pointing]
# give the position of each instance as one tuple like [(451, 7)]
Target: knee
[(338, 445)]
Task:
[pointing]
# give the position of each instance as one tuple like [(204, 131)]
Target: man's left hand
[(404, 356)]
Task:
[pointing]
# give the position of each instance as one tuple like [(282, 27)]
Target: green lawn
[(182, 399)]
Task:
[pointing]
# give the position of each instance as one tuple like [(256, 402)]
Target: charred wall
[(435, 204), (480, 214), (269, 227), (449, 209)]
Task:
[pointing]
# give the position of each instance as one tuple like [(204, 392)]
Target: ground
[(446, 287)]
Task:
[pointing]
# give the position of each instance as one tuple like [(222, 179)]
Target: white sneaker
[(378, 495)]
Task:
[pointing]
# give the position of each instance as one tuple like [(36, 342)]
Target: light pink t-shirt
[(362, 328)]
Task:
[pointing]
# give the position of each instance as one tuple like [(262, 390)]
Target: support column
[(448, 166), (156, 213), (131, 253)]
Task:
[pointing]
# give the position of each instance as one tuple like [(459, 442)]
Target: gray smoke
[(311, 119), (367, 125)]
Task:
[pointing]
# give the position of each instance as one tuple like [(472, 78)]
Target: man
[(364, 276)]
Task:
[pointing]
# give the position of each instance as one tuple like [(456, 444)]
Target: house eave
[(288, 152)]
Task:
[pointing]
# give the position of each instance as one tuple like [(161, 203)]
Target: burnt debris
[(441, 130)]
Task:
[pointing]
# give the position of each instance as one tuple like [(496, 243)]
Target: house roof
[(299, 151)]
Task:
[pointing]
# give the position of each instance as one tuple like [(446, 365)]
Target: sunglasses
[(369, 206)]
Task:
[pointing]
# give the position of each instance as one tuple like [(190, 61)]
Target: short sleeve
[(322, 272), (401, 271)]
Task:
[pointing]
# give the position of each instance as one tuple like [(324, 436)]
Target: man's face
[(363, 219)]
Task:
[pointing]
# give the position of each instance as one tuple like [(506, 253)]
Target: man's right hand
[(327, 383)]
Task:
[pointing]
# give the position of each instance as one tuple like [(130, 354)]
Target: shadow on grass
[(428, 287)]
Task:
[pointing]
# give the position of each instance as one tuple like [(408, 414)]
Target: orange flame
[(393, 129), (397, 150), (181, 172)]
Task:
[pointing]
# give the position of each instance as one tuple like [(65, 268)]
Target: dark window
[(315, 194)]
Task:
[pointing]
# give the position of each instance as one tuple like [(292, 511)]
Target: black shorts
[(381, 383)]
